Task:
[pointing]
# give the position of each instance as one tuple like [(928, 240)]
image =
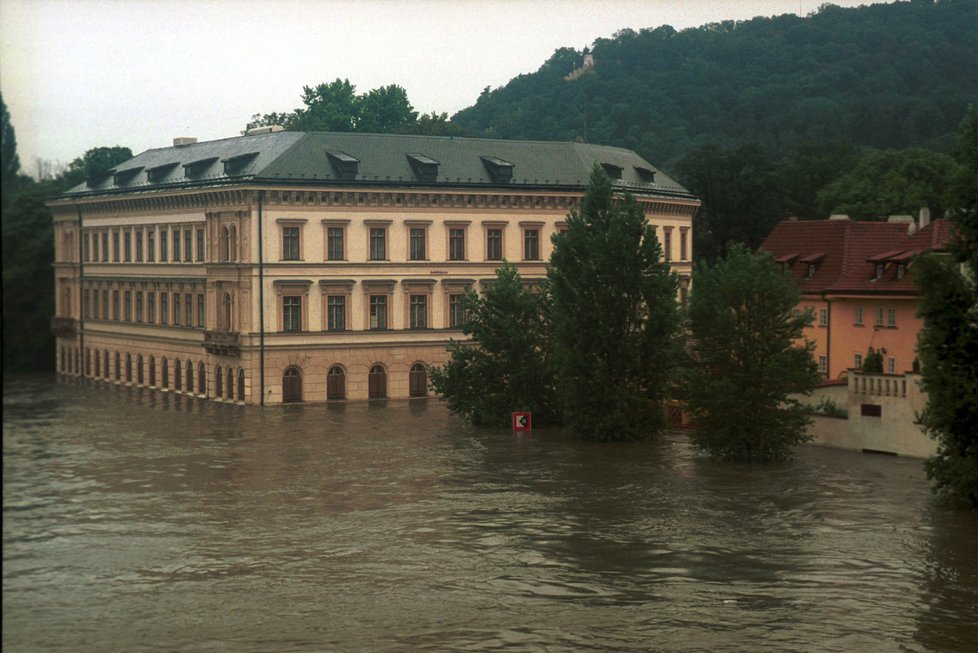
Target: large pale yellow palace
[(284, 266)]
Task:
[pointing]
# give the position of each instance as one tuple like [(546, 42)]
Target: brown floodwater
[(138, 521)]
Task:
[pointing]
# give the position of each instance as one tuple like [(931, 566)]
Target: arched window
[(105, 363), (218, 384), (233, 243), (336, 383), (118, 367), (152, 371), (230, 387), (128, 368), (292, 385), (202, 380), (190, 377), (139, 369), (98, 363), (177, 375), (377, 382), (227, 312), (418, 380), (241, 384), (166, 374)]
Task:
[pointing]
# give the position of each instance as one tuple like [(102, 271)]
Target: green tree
[(507, 366), (890, 182), (333, 107), (746, 364), (742, 198), (94, 161), (386, 110), (948, 344), (9, 161), (615, 318)]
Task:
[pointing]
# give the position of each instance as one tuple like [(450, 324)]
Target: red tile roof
[(851, 253)]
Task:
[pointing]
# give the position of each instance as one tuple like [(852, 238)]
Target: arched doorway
[(118, 367), (336, 383), (292, 385), (418, 380), (152, 371), (218, 384), (166, 373), (202, 380), (377, 382), (230, 387), (128, 368), (241, 385), (139, 369), (98, 363), (190, 377), (177, 375)]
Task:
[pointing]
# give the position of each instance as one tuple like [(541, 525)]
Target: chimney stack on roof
[(180, 141), (268, 129), (924, 217), (904, 219), (839, 216)]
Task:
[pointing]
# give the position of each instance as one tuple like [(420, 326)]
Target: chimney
[(180, 141), (839, 216), (270, 129), (924, 217)]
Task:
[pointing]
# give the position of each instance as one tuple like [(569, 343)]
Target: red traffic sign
[(521, 421)]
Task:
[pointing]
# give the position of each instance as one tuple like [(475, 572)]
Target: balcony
[(223, 343), (64, 327)]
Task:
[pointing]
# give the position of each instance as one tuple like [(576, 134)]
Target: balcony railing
[(64, 327), (222, 343)]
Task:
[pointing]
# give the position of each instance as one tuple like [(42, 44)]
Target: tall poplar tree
[(615, 317), (746, 362)]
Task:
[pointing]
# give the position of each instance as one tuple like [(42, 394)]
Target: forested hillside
[(885, 76)]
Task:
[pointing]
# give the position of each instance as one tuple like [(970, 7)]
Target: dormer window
[(158, 173), (198, 167), (812, 261), (613, 171), (500, 172), (811, 270), (901, 270), (424, 167), (645, 174), (879, 271), (785, 263), (123, 177), (235, 165), (344, 165), (99, 177)]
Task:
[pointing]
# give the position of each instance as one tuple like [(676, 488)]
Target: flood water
[(136, 521)]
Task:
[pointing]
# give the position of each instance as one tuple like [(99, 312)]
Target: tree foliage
[(948, 344), (864, 74), (508, 368), (746, 362), (615, 318), (336, 106)]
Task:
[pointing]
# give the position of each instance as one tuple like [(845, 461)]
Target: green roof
[(377, 160)]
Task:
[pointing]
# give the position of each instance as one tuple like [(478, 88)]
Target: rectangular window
[(86, 247), (164, 305), (378, 311), (334, 243), (378, 243), (456, 244), (151, 307), (419, 312), (151, 245), (823, 317), (127, 246), (682, 244), (494, 245), (85, 304), (176, 249), (95, 313), (188, 306), (822, 364), (115, 247), (292, 314), (176, 307), (336, 313), (879, 317), (115, 304), (139, 245), (456, 315), (891, 317), (667, 244), (95, 247), (290, 243), (105, 304), (857, 361), (417, 248), (531, 245), (188, 238), (163, 245), (200, 310), (891, 365), (105, 248), (139, 306), (200, 244), (859, 316)]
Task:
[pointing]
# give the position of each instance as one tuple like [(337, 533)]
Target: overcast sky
[(78, 74)]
